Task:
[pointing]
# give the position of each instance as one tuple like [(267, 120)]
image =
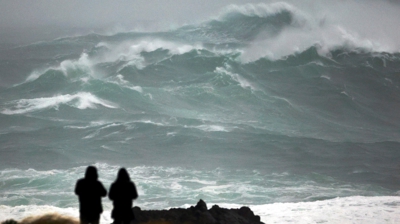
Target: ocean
[(262, 105)]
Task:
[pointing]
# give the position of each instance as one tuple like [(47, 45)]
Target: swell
[(307, 109), (238, 186), (160, 89), (279, 29), (355, 90), (200, 146)]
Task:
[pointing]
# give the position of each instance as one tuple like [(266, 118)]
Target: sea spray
[(267, 105)]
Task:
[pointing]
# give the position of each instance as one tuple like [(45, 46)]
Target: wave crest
[(257, 10), (82, 100)]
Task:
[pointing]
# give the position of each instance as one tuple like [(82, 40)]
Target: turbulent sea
[(260, 106)]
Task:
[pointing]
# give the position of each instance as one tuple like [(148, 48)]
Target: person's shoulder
[(112, 185), (80, 180)]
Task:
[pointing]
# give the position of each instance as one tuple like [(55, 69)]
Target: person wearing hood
[(122, 193), (90, 191)]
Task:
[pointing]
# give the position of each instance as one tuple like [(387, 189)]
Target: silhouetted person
[(90, 191), (122, 193)]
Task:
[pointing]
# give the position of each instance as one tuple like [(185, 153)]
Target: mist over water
[(284, 106)]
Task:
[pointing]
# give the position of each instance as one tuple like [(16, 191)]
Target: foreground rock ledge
[(197, 215)]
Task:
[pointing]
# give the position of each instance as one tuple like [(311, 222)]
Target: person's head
[(123, 175), (91, 173)]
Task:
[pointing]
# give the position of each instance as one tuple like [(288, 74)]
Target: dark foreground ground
[(198, 214)]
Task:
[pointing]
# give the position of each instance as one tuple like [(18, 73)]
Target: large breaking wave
[(264, 103)]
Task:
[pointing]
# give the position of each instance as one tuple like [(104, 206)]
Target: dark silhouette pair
[(90, 191)]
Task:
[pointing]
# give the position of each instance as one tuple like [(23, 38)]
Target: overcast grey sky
[(98, 13)]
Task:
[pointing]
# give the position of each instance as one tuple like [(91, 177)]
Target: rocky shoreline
[(198, 214)]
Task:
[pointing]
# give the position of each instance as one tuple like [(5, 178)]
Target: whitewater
[(292, 112)]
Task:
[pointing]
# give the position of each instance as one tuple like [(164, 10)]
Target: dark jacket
[(90, 191), (122, 193)]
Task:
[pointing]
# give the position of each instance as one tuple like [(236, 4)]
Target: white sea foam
[(259, 10), (83, 64), (150, 122), (130, 51), (211, 128), (81, 100), (35, 75), (356, 209), (97, 131), (328, 25), (103, 44), (92, 124), (102, 125), (80, 69), (325, 77), (46, 190), (152, 45), (171, 133), (239, 79), (119, 80)]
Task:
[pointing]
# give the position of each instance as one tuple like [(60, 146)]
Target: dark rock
[(204, 217), (197, 215), (247, 213), (201, 205), (10, 221)]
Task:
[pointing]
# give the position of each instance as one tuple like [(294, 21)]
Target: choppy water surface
[(213, 111)]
